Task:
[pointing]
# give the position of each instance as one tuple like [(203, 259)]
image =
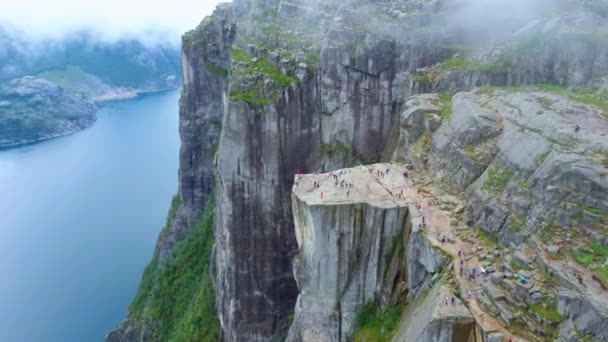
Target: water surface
[(79, 216)]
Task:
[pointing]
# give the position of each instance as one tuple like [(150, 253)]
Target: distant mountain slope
[(48, 87), (125, 63), (33, 109)]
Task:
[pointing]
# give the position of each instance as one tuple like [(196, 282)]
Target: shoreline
[(99, 104)]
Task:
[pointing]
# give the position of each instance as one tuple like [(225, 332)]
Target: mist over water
[(79, 217)]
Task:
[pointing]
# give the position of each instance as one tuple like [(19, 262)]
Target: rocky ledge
[(357, 245)]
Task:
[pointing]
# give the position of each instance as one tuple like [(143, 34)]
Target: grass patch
[(589, 96), (545, 102), (376, 325), (252, 96), (540, 159), (456, 63), (422, 78), (175, 203), (497, 180), (423, 144), (261, 66), (517, 222), (602, 275), (257, 67), (335, 147), (547, 310), (68, 78), (484, 238), (176, 299), (219, 71), (584, 256), (312, 61), (445, 101), (472, 154)]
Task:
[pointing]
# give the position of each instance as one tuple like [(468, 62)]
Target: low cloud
[(109, 19)]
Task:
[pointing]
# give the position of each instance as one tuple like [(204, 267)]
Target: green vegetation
[(547, 310), (471, 153), (497, 180), (517, 222), (581, 336), (396, 248), (175, 203), (445, 101), (423, 78), (545, 102), (335, 147), (260, 66), (248, 66), (423, 144), (593, 255), (376, 325), (588, 96), (485, 239), (540, 159), (312, 61), (176, 299), (68, 78), (219, 71), (252, 96), (602, 275), (456, 63), (583, 256), (446, 108)]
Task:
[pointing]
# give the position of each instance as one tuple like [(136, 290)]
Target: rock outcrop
[(351, 225), (33, 109), (277, 95), (434, 317), (343, 236)]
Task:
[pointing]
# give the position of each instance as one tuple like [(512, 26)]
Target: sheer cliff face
[(315, 97), (205, 63), (274, 87)]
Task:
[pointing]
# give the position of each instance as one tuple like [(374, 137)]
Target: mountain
[(34, 109), (84, 67), (406, 170)]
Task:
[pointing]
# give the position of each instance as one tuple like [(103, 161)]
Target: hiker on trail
[(321, 194), (387, 170), (577, 128), (453, 301), (405, 175), (348, 193), (473, 271)]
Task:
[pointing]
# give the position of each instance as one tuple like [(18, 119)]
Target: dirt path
[(438, 224)]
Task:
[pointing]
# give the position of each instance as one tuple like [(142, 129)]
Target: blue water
[(79, 217)]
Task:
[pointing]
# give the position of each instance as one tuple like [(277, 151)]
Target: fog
[(109, 19)]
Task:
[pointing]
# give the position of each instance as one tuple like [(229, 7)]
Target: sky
[(111, 18)]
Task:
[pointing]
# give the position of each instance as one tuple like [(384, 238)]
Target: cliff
[(514, 134)]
